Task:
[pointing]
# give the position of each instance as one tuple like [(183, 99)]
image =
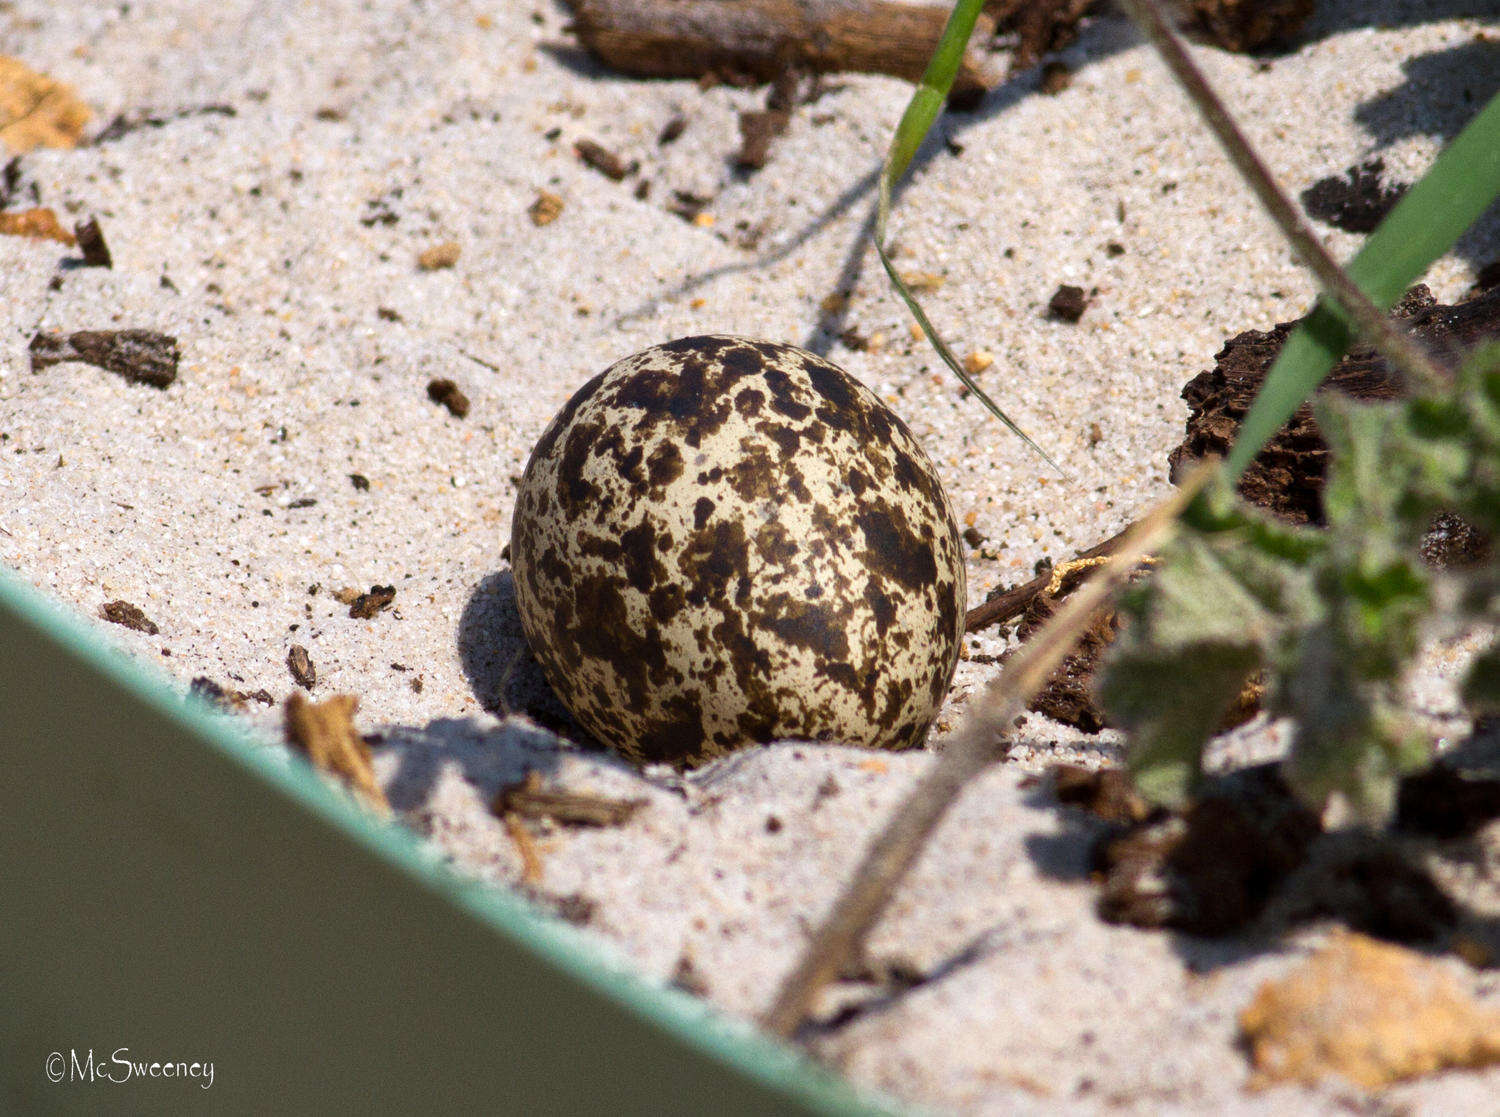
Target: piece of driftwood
[(760, 39), (142, 356), (1286, 478)]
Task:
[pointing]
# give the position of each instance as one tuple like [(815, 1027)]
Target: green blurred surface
[(170, 887)]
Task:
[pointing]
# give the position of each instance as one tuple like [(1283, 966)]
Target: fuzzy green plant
[(1333, 615)]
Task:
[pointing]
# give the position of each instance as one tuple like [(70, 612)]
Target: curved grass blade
[(1456, 190), (925, 105)]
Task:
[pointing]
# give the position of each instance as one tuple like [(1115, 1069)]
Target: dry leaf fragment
[(546, 209), (40, 224), (439, 256), (36, 111), (325, 732), (1371, 1012), (923, 281)]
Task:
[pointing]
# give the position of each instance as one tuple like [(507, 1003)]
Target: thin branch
[(979, 742), (1368, 320)]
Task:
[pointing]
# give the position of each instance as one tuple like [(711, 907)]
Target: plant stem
[(979, 742), (1373, 326)]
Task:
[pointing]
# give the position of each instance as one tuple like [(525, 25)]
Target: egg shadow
[(497, 662)]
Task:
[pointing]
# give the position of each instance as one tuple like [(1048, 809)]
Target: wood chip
[(1068, 303), (366, 605), (300, 664), (140, 356), (40, 224), (129, 616), (439, 256), (532, 870), (36, 111), (446, 393), (1368, 1011), (978, 361), (546, 209), (528, 799), (91, 240), (603, 160), (325, 733)]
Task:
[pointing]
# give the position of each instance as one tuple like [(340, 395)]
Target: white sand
[(291, 378)]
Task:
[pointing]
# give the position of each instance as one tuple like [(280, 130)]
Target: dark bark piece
[(1067, 696), (129, 616), (603, 160), (140, 356), (366, 605), (446, 393), (1245, 25), (1356, 201), (760, 39), (1005, 605), (1286, 478), (1040, 26), (300, 664), (1105, 793), (90, 239), (757, 130), (1067, 303)]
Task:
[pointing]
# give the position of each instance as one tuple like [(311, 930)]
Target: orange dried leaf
[(325, 732), (36, 111), (41, 224)]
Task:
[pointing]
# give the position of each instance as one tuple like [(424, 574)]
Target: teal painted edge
[(736, 1046)]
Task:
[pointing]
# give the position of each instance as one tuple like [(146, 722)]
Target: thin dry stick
[(979, 742), (1372, 325)]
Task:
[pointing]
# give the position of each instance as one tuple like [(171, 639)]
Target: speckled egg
[(719, 542)]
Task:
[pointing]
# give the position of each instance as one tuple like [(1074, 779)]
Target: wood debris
[(366, 605), (760, 39), (140, 356), (300, 664), (324, 732), (1369, 1012), (39, 223), (36, 111), (130, 616), (439, 256), (90, 239), (528, 799), (546, 209), (447, 394)]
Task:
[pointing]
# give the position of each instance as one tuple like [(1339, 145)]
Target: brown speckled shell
[(719, 542)]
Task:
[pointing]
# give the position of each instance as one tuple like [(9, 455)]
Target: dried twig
[(979, 742), (1013, 602), (528, 799)]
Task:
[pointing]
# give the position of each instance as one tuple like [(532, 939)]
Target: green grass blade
[(1459, 187), (923, 108)]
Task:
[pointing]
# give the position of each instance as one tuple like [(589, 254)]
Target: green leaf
[(1449, 198), (925, 105)]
